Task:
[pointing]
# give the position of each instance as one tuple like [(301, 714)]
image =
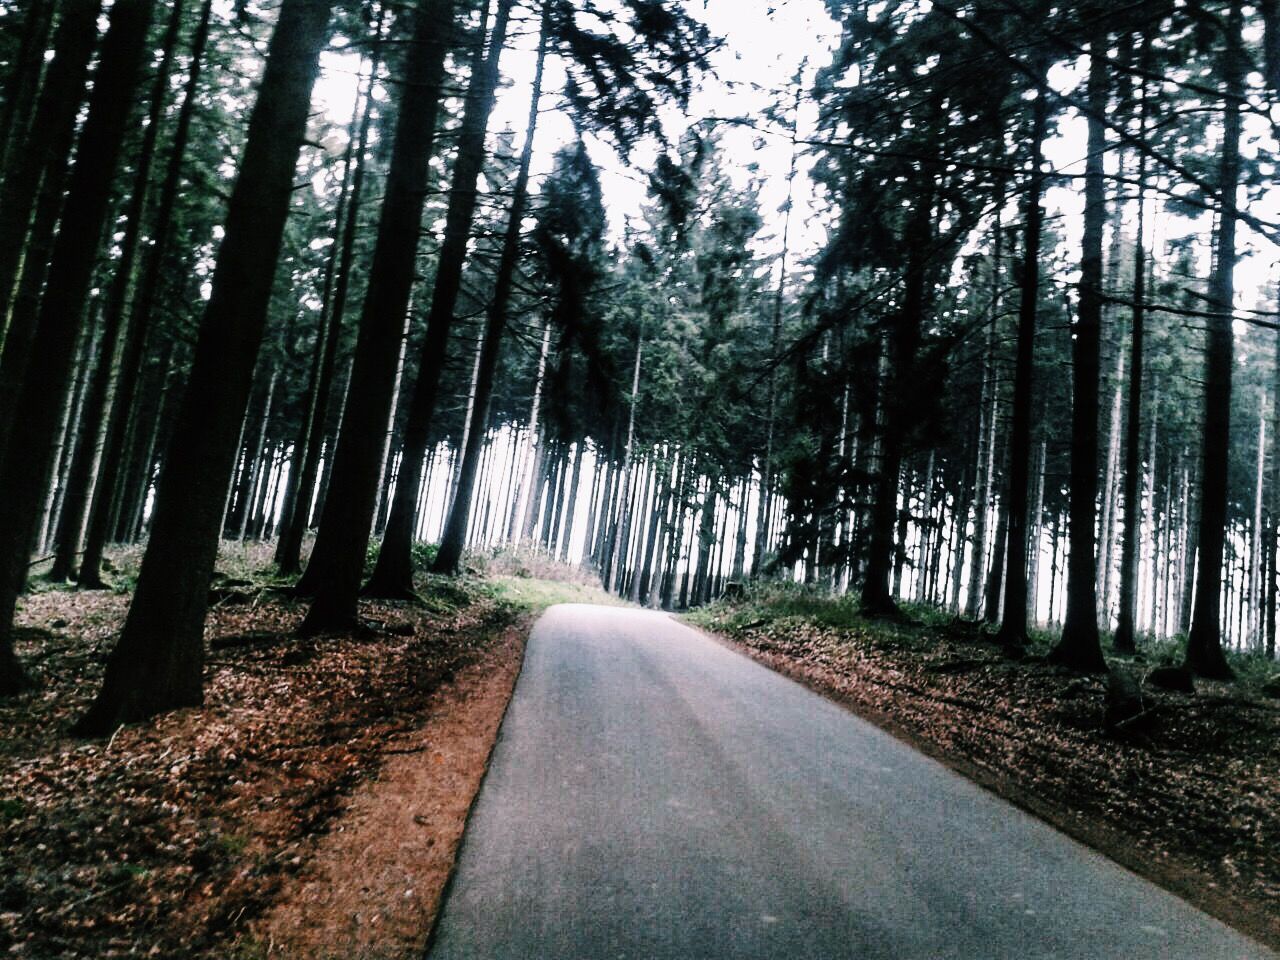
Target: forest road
[(654, 795)]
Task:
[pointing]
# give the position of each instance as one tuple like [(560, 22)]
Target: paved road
[(654, 795)]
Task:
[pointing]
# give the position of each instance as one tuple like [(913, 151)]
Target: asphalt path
[(654, 795)]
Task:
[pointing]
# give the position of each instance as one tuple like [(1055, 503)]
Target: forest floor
[(1188, 796), (312, 808)]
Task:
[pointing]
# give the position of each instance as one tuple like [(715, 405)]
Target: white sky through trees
[(765, 43)]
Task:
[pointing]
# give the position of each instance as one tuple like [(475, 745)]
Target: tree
[(158, 662), (454, 538), (337, 561), (83, 464), (1079, 646), (304, 466), (1013, 626), (28, 456), (1204, 654), (393, 572), (141, 311)]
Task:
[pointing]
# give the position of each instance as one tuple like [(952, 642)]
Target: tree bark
[(88, 448), (158, 663), (985, 461), (393, 573), (305, 463), (1079, 646), (47, 147), (337, 562), (453, 540), (23, 80), (30, 451), (1204, 654), (1125, 639), (140, 322), (1013, 622), (904, 342)]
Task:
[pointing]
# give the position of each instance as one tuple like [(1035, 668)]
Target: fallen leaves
[(168, 838)]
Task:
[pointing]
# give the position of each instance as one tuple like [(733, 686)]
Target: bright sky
[(766, 43)]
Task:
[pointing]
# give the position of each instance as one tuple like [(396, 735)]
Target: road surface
[(655, 796)]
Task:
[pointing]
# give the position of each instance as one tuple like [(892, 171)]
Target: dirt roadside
[(311, 808)]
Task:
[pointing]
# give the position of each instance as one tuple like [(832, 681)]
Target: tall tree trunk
[(23, 80), (337, 561), (527, 472), (158, 663), (1037, 530), (46, 147), (1110, 492), (305, 464), (140, 322), (386, 463), (904, 342), (764, 507), (1125, 640), (1079, 646), (985, 463), (1190, 555), (453, 540), (69, 426), (1273, 535), (1013, 623), (566, 538), (88, 448), (1257, 536), (393, 573), (622, 521), (1204, 642), (29, 455)]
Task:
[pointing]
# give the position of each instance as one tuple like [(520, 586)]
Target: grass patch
[(780, 604), (783, 607), (536, 595)]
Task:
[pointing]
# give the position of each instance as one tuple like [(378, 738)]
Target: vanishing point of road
[(656, 796)]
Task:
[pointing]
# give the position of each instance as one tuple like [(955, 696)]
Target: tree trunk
[(337, 561), (23, 82), (69, 425), (393, 573), (764, 508), (1125, 640), (88, 449), (985, 465), (1013, 621), (1079, 646), (622, 521), (566, 537), (29, 454), (305, 465), (904, 342), (122, 403), (1204, 654), (158, 663), (46, 148), (528, 472), (452, 541)]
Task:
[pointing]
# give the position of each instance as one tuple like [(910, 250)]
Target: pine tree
[(158, 663)]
